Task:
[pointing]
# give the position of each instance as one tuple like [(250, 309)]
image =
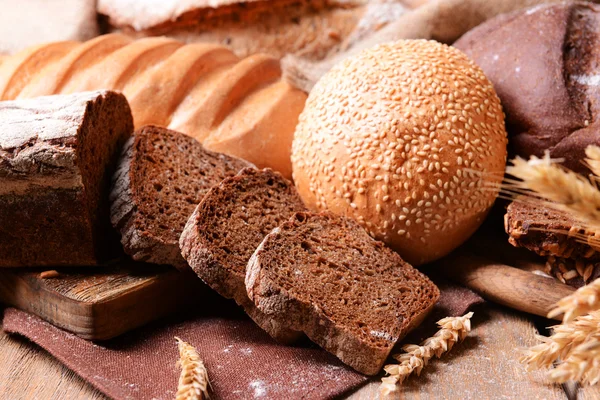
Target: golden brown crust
[(203, 90)]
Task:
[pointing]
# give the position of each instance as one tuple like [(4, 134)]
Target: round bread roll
[(402, 137)]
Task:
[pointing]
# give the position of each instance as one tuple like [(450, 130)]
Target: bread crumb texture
[(401, 138)]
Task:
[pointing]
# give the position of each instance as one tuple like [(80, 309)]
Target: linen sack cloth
[(243, 362)]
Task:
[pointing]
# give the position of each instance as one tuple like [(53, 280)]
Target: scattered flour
[(259, 388)]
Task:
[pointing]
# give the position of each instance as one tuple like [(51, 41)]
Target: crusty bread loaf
[(311, 28), (57, 154), (544, 63), (228, 225), (324, 275), (239, 107), (161, 177)]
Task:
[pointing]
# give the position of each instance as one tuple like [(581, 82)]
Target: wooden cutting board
[(104, 302)]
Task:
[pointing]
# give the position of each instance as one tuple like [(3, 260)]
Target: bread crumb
[(49, 274)]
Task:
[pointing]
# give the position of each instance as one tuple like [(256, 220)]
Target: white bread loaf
[(236, 106)]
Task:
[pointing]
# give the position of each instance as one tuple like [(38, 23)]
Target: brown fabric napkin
[(243, 362)]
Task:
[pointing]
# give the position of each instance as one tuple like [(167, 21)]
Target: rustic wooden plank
[(27, 372), (104, 302), (485, 366)]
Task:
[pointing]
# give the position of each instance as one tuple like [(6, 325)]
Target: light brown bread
[(57, 154), (228, 225), (311, 28), (324, 275), (239, 107), (161, 177)]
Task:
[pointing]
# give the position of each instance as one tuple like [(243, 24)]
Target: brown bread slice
[(324, 275), (228, 225), (547, 232), (57, 155), (162, 176)]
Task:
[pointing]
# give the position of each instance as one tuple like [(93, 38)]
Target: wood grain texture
[(101, 303), (27, 372), (484, 366)]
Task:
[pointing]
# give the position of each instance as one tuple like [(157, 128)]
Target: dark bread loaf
[(57, 154), (228, 225), (324, 275), (544, 63), (162, 176)]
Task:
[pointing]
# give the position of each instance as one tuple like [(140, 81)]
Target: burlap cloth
[(242, 361)]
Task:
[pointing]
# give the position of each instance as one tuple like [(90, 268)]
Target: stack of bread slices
[(70, 167)]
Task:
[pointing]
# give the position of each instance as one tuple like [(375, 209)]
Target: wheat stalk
[(593, 159), (582, 365), (564, 339), (584, 300), (193, 381), (557, 188), (452, 330)]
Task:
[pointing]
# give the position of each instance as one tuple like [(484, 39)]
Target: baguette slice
[(324, 275), (162, 176), (228, 225)]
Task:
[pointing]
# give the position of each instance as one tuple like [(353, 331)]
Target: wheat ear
[(593, 159), (453, 330), (193, 381), (584, 300), (564, 339), (582, 365), (562, 189)]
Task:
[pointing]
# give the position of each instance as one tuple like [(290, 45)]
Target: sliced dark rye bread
[(324, 275), (547, 232), (226, 228), (161, 178)]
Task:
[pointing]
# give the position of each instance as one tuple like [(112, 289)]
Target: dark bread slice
[(324, 275), (162, 176), (228, 225), (547, 232), (57, 155)]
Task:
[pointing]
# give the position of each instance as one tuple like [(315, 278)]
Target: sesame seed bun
[(399, 137)]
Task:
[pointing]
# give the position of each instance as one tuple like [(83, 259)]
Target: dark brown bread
[(226, 228), (324, 275), (162, 176), (544, 63), (556, 236), (57, 154), (547, 232)]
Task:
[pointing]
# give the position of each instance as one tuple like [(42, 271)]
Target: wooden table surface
[(485, 366)]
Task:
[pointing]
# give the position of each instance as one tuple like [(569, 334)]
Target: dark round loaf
[(544, 63)]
